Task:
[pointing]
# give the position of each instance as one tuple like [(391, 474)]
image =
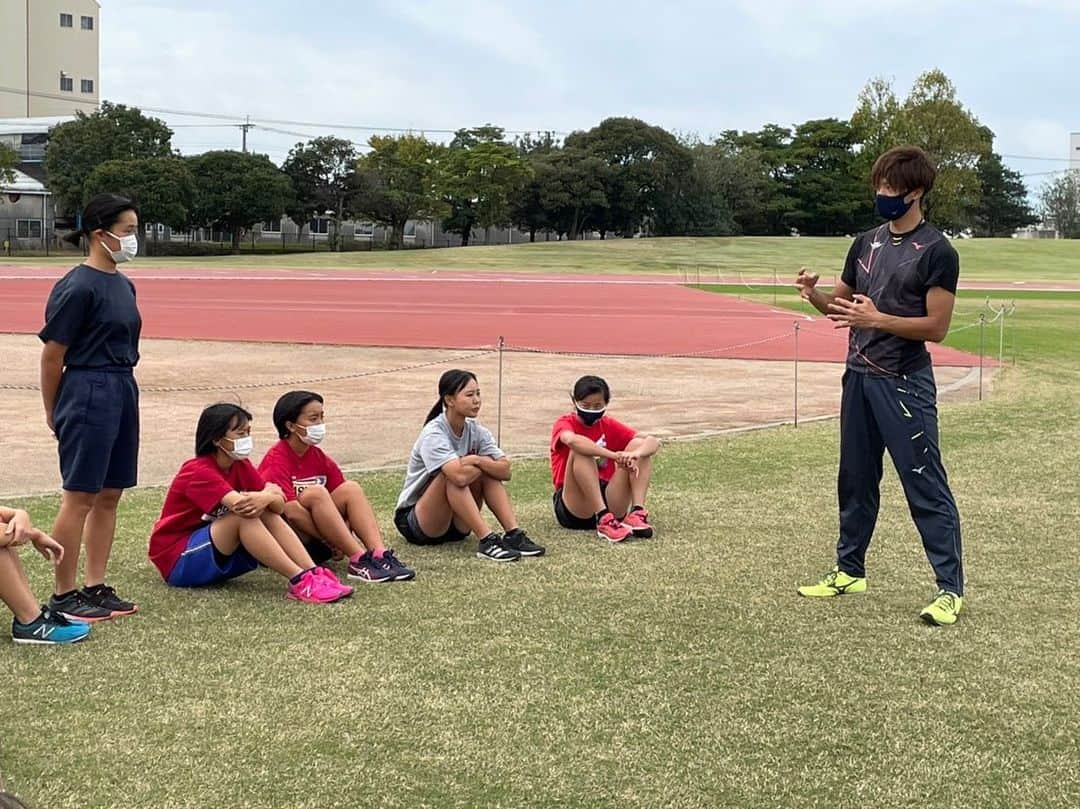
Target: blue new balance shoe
[(49, 629)]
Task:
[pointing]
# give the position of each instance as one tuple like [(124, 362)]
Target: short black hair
[(101, 213), (588, 385), (905, 169), (214, 422), (290, 406), (451, 383)]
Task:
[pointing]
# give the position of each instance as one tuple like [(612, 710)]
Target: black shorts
[(568, 519), (409, 527), (97, 427)]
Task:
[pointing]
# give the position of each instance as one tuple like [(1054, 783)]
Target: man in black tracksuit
[(897, 291)]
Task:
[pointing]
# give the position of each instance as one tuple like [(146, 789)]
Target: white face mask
[(314, 434), (242, 448), (129, 247)]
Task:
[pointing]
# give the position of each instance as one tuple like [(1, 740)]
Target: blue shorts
[(97, 427), (201, 563)]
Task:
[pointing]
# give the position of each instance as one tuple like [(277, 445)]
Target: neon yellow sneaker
[(943, 610), (835, 583)]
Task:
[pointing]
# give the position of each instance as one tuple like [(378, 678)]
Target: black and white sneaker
[(519, 541), (495, 548), (105, 597), (75, 607)]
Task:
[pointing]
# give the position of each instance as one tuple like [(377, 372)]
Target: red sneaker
[(611, 529), (638, 522)]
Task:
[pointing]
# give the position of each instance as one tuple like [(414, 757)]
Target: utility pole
[(244, 127)]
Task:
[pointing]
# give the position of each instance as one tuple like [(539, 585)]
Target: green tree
[(234, 190), (162, 187), (572, 189), (1004, 206), (763, 175), (698, 206), (9, 159), (323, 173), (113, 132), (482, 175), (828, 198), (1060, 204), (648, 165), (527, 209), (399, 180)]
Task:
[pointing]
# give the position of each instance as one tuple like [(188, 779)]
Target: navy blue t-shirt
[(896, 272), (94, 314)]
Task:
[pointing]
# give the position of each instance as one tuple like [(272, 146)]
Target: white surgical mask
[(129, 247), (314, 434), (242, 448)]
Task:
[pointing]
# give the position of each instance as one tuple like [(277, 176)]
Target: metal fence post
[(796, 374), (982, 350), (498, 426)]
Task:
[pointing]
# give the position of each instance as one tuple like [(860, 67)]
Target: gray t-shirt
[(437, 446)]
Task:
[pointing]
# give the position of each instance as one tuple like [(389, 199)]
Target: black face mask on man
[(590, 417), (892, 207)]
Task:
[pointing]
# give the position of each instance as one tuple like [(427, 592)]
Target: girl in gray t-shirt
[(455, 468)]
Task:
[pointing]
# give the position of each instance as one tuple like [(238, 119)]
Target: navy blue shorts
[(97, 424), (201, 563), (408, 526)]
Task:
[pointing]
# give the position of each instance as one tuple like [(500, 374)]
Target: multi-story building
[(1074, 151), (48, 57)]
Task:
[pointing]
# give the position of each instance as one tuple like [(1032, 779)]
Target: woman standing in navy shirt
[(91, 338)]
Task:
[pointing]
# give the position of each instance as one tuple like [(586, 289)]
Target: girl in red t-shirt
[(221, 520), (601, 468), (319, 502)]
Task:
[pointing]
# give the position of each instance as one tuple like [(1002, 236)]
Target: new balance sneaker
[(314, 588), (519, 541), (49, 629), (368, 568), (494, 547), (611, 529), (835, 583), (394, 565), (943, 610), (638, 522), (105, 597), (333, 580), (76, 607)]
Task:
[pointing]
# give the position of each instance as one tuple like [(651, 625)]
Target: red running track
[(578, 314)]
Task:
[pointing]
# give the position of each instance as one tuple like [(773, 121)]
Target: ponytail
[(101, 213), (451, 383)]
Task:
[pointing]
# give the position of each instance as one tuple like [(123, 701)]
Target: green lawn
[(680, 671), (988, 260)]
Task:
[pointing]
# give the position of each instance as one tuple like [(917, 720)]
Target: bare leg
[(15, 588), (581, 488), (99, 531), (233, 531), (287, 539), (353, 505), (463, 502), (325, 520), (639, 483), (498, 500), (68, 531)]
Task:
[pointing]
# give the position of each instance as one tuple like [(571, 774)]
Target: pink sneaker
[(332, 579), (611, 529), (313, 588), (638, 523)]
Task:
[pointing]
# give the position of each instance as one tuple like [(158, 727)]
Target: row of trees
[(623, 176)]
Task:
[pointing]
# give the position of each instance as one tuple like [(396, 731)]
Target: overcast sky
[(691, 67)]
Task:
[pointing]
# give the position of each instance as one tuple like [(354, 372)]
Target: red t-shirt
[(193, 500), (607, 432), (293, 473)]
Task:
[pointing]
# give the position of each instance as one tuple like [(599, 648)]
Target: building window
[(320, 226), (364, 230), (66, 21), (88, 85), (88, 23), (67, 84), (28, 228), (272, 226)]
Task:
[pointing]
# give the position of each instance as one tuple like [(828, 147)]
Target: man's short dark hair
[(904, 169)]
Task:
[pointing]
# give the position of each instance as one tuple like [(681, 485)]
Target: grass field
[(679, 671), (986, 260)]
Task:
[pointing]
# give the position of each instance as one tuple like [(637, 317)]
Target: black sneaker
[(105, 597), (494, 547), (75, 607), (519, 541)]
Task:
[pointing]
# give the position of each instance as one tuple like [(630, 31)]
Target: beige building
[(48, 57)]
